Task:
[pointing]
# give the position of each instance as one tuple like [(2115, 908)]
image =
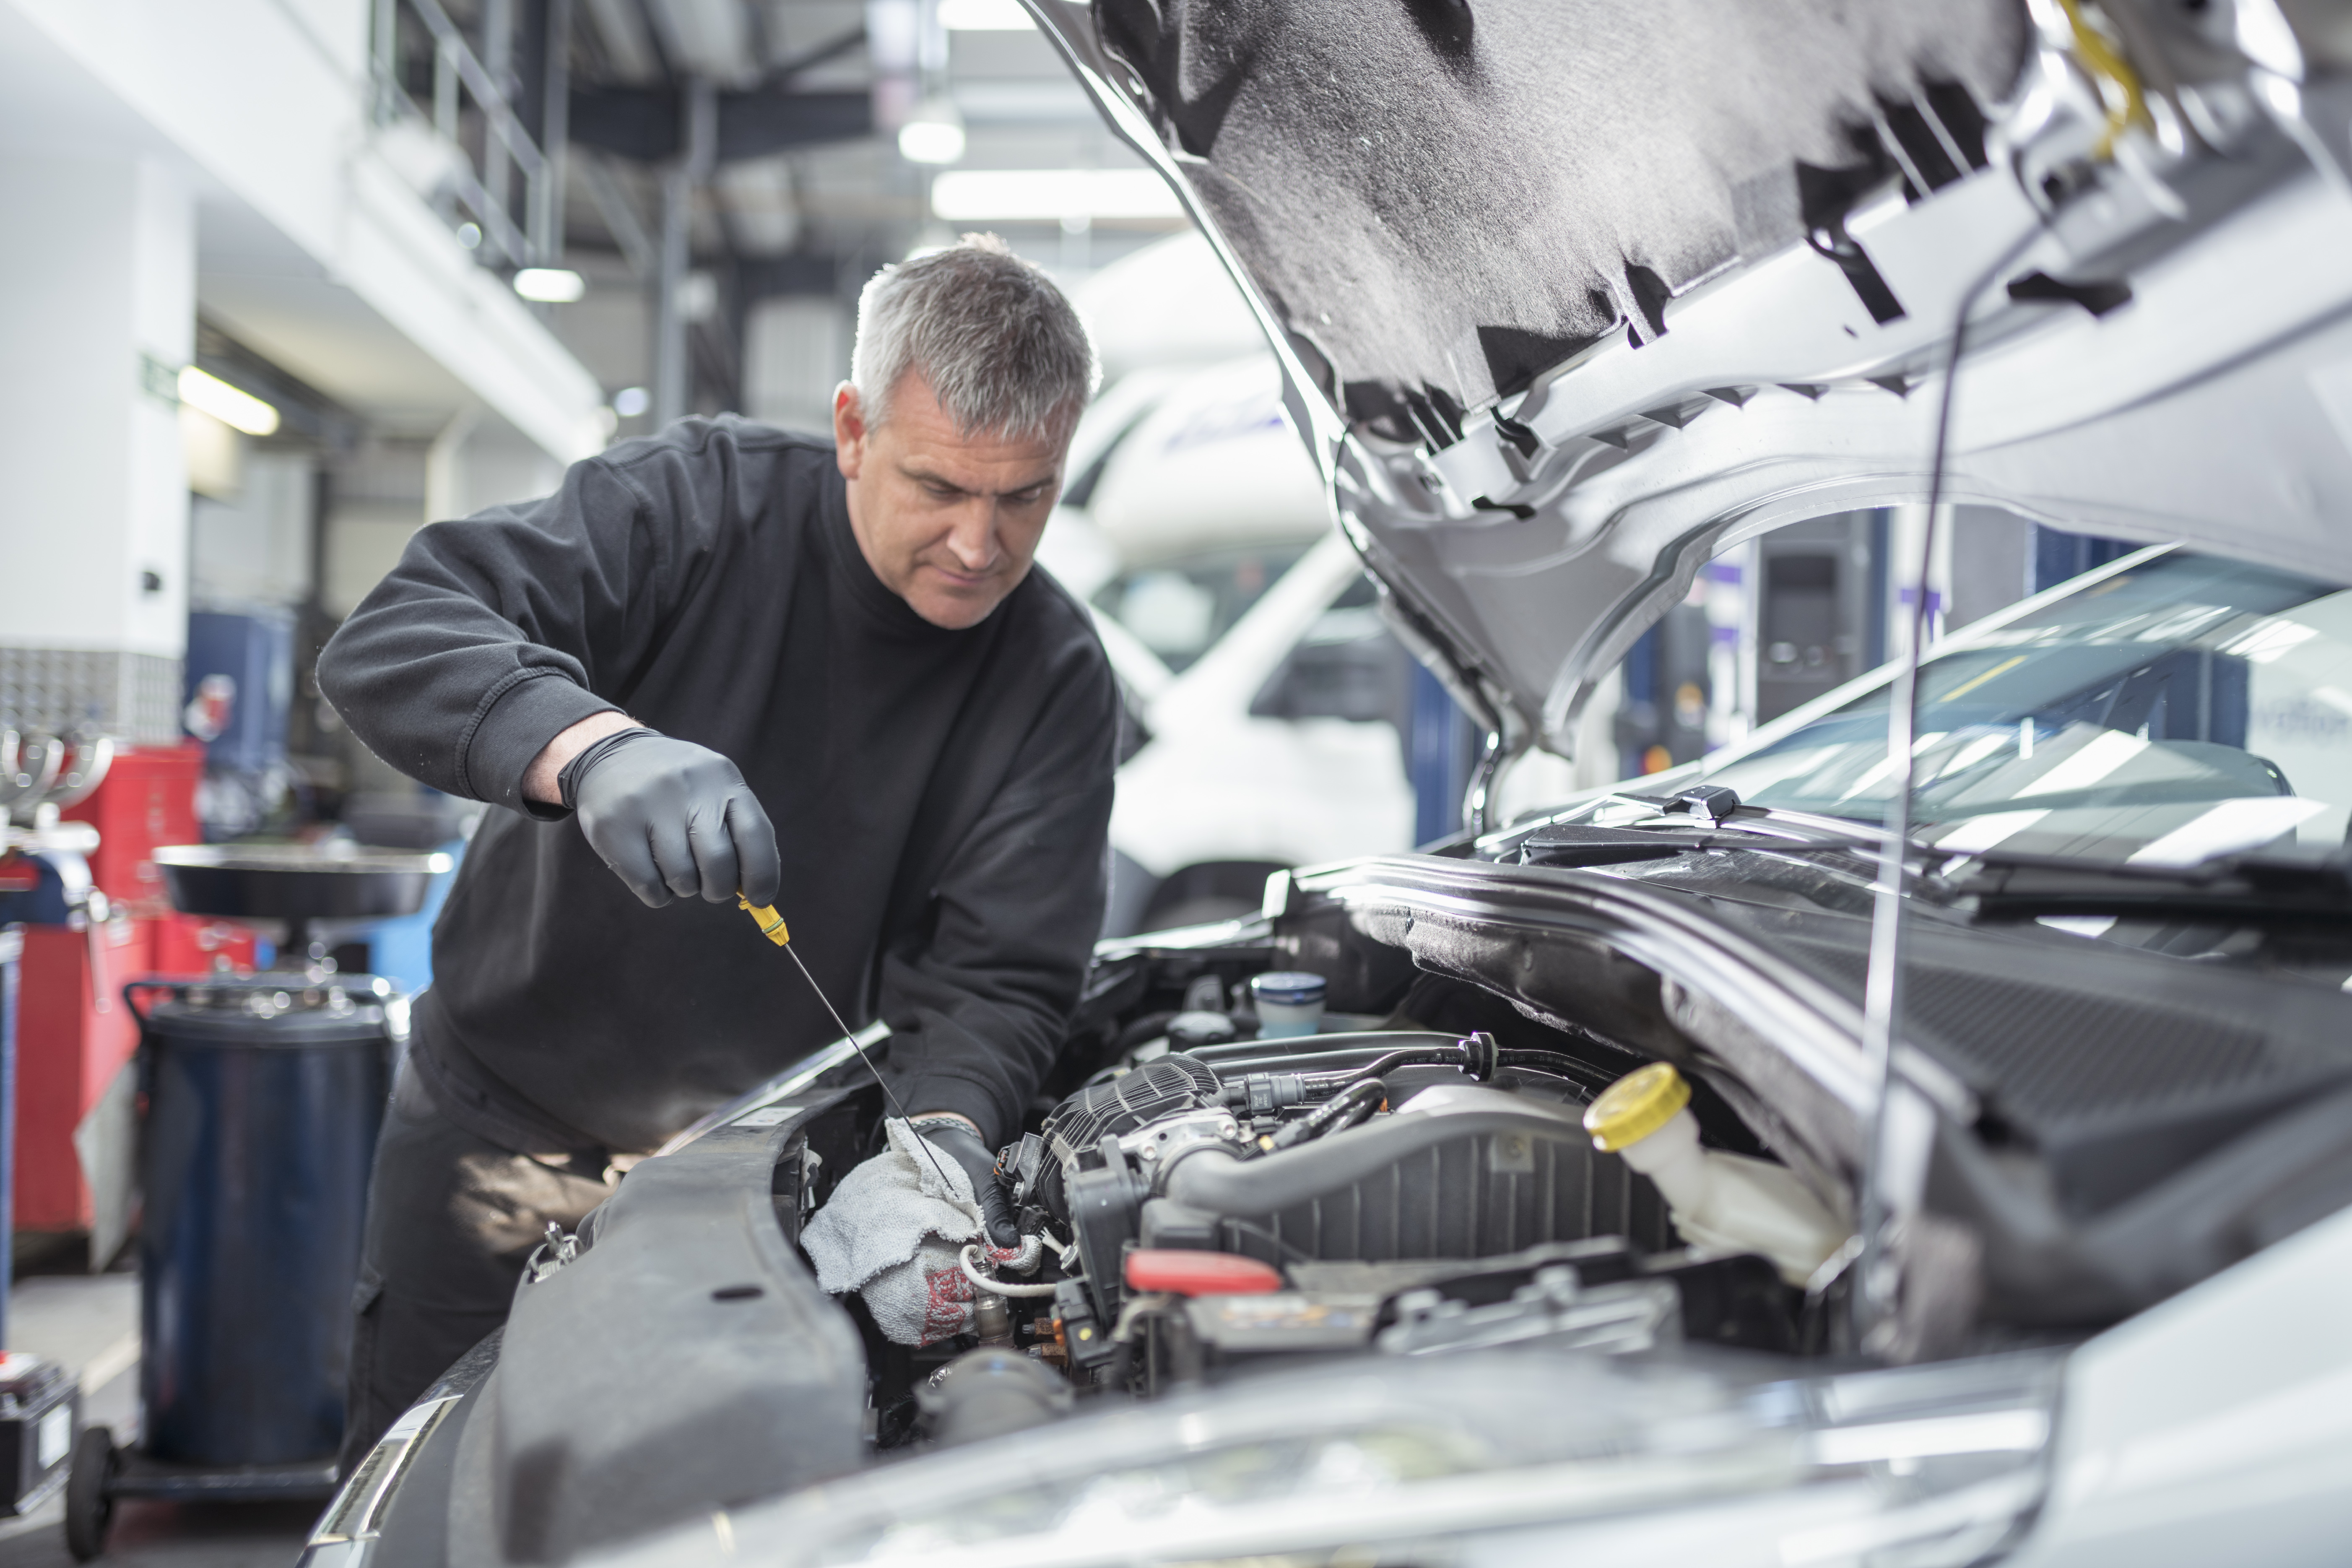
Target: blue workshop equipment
[(264, 1097), (239, 678), (401, 950), (1441, 746)]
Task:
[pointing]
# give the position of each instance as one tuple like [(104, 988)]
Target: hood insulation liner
[(1441, 200)]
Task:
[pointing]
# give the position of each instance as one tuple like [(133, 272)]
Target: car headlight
[(1492, 1454)]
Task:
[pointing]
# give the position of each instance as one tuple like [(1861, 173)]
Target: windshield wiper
[(1697, 819), (2268, 888)]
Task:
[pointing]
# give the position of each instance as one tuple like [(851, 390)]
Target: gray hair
[(1000, 347)]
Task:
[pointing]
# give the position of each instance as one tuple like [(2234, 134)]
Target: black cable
[(1358, 1099), (1433, 1057), (1558, 1064)]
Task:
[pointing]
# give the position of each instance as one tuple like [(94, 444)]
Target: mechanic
[(730, 657)]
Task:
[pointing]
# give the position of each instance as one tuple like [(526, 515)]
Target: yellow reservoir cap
[(772, 924), (1635, 1106)]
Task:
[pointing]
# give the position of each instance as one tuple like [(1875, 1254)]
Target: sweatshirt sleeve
[(978, 1000), (495, 633)]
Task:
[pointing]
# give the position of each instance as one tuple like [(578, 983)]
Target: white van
[(1270, 705)]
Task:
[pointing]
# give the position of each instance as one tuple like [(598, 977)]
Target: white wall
[(98, 273)]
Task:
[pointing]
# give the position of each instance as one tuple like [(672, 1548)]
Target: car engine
[(1211, 1204)]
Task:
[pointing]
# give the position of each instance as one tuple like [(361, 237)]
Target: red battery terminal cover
[(1186, 1273)]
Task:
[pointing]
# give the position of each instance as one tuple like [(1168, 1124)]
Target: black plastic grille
[(2050, 1053), (1477, 1196), (1119, 1106)]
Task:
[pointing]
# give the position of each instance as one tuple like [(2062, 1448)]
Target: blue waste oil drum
[(264, 1097)]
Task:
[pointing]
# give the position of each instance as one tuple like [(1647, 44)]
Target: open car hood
[(1570, 298)]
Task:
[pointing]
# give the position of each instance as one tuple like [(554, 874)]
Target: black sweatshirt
[(941, 799)]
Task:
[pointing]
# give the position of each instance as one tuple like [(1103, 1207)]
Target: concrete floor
[(91, 1323)]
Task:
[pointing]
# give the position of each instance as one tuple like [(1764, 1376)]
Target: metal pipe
[(673, 368), (445, 88), (612, 204), (547, 216), (387, 68), (497, 63), (450, 44), (1896, 1150), (1477, 801)]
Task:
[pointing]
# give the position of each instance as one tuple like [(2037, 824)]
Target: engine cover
[(1459, 1171), (1456, 1173)]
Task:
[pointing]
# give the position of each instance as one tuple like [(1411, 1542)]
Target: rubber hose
[(1255, 1056), (1440, 1056), (1560, 1064)]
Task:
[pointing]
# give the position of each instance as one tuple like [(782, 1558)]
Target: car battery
[(40, 1410)]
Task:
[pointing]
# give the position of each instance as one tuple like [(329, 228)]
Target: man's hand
[(958, 1140), (672, 819)]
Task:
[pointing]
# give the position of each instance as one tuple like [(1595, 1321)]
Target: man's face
[(949, 522)]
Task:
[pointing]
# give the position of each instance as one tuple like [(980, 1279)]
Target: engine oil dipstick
[(771, 926)]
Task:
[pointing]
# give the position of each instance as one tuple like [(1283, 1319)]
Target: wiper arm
[(1574, 845), (2243, 889)]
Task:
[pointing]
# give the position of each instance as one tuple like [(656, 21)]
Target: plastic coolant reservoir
[(1719, 1200)]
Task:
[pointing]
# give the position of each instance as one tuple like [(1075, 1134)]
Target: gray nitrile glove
[(672, 819), (963, 1145)]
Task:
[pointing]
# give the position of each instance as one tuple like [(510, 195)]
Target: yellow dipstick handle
[(772, 924)]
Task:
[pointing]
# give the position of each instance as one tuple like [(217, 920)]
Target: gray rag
[(894, 1231)]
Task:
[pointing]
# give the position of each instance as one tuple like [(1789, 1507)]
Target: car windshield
[(2182, 708)]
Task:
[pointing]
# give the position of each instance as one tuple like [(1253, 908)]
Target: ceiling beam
[(643, 123)]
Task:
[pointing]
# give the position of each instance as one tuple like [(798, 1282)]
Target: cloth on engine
[(894, 1231)]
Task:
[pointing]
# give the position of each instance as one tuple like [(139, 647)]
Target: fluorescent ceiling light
[(933, 134), (985, 16), (237, 410), (549, 285), (930, 142), (1049, 195)]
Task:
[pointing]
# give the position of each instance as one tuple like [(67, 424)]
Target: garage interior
[(295, 278)]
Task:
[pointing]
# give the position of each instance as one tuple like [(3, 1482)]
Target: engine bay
[(1511, 1135), (1219, 1199)]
